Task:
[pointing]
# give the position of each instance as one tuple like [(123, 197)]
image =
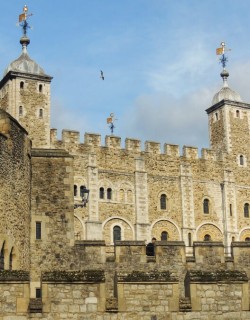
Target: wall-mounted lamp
[(85, 198)]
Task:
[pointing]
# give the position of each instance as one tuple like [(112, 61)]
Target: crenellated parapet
[(71, 141)]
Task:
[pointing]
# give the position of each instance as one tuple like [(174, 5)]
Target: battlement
[(71, 138)]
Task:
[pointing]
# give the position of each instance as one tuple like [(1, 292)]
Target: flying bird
[(102, 75)]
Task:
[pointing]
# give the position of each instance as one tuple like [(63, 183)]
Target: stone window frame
[(163, 192), (101, 193), (21, 111), (118, 224), (204, 206), (38, 230), (21, 85), (242, 161), (216, 116), (40, 88), (41, 113), (164, 234), (128, 191), (246, 210)]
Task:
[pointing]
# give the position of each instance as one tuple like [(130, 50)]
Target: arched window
[(75, 190), (109, 193), (206, 206), (122, 195), (241, 160), (40, 113), (20, 110), (164, 235), (163, 202), (247, 239), (237, 113), (11, 259), (21, 85), (82, 188), (246, 210), (129, 196), (2, 257), (207, 237), (40, 88), (189, 239), (101, 193), (116, 233)]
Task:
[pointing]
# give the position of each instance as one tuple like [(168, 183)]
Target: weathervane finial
[(221, 51), (110, 121), (23, 20)]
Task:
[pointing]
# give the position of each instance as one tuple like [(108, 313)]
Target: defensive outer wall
[(130, 285)]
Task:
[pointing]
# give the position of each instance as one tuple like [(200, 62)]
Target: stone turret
[(25, 94)]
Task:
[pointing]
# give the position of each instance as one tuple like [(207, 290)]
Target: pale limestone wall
[(32, 101), (14, 300), (137, 186), (15, 186), (52, 205)]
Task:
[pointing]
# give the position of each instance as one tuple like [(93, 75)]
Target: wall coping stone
[(227, 276)]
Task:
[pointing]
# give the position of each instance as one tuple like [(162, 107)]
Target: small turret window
[(20, 110), (237, 113), (40, 88), (241, 160), (21, 85), (40, 113)]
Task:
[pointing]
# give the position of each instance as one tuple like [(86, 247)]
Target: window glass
[(116, 233), (163, 202)]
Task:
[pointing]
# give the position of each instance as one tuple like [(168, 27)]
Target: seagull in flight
[(102, 75)]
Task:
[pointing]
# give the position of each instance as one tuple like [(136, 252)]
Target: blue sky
[(158, 58)]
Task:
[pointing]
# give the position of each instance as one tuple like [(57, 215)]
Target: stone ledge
[(14, 275), (50, 153), (208, 244), (140, 276), (86, 276), (227, 276), (89, 243)]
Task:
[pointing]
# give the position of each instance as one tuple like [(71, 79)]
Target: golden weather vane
[(110, 121), (23, 20), (221, 51)]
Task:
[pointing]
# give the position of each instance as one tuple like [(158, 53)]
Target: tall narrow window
[(109, 193), (40, 113), (38, 230), (20, 110), (75, 190), (206, 206), (122, 195), (163, 202), (2, 257), (40, 88), (101, 193), (246, 210), (216, 116), (230, 210), (116, 233), (21, 85), (241, 160), (164, 235), (237, 113), (189, 239), (82, 188), (129, 196), (38, 293)]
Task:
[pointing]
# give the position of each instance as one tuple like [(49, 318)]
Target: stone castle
[(63, 257)]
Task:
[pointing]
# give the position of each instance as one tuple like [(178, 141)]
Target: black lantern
[(84, 193)]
